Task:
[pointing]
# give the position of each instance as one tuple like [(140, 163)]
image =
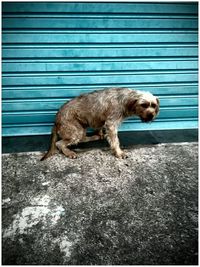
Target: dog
[(102, 110)]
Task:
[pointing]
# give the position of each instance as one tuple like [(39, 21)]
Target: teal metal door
[(53, 51)]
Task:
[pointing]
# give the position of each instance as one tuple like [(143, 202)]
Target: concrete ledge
[(41, 143), (99, 210)]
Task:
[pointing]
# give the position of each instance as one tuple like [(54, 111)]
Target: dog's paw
[(121, 155), (72, 155)]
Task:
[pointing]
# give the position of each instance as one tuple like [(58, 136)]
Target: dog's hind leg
[(70, 134), (62, 146)]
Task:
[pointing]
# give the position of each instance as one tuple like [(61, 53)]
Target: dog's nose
[(149, 116)]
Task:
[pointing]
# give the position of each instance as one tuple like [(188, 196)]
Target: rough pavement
[(99, 210)]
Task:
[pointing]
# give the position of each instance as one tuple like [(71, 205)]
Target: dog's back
[(94, 108)]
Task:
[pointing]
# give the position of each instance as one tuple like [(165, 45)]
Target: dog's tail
[(52, 150)]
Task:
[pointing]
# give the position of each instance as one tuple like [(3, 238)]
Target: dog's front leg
[(113, 140)]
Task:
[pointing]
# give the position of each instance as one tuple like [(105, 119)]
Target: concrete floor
[(99, 210)]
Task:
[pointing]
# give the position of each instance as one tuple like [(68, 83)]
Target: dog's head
[(147, 107)]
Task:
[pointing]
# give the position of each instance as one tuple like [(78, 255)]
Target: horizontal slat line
[(50, 118), (31, 121), (92, 56), (98, 60), (114, 37), (92, 45), (95, 59), (136, 57), (50, 113), (195, 107), (90, 86), (150, 27), (85, 67), (126, 121), (102, 16), (99, 80), (52, 104), (100, 73), (57, 86), (57, 106), (71, 96), (132, 120), (46, 130), (68, 98), (164, 111), (165, 92), (110, 30), (97, 64), (98, 31), (64, 97), (63, 94), (52, 65), (94, 53), (96, 45), (102, 45), (35, 123), (135, 121), (75, 60), (178, 97), (95, 7), (173, 103), (66, 92), (107, 57), (99, 15), (36, 129)]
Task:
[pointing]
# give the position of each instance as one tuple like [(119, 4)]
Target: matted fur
[(101, 109)]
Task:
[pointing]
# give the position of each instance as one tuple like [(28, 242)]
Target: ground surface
[(99, 210)]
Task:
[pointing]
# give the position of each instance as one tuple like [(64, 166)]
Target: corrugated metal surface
[(55, 51)]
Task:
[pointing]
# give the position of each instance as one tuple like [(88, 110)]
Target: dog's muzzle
[(148, 118)]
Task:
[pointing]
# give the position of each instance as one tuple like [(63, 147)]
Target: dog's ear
[(131, 104), (158, 105), (158, 101)]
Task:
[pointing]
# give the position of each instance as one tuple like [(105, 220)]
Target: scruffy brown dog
[(102, 109)]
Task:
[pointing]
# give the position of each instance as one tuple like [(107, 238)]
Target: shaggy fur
[(100, 110)]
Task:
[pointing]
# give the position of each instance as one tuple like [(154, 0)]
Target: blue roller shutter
[(53, 51)]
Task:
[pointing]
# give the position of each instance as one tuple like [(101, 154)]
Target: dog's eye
[(145, 105), (153, 105)]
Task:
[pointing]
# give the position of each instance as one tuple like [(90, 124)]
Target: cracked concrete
[(99, 210)]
